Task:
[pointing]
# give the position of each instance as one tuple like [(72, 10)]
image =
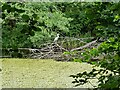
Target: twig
[(92, 84)]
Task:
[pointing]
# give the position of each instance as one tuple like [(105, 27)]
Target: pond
[(38, 73)]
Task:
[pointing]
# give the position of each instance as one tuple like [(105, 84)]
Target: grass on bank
[(39, 73)]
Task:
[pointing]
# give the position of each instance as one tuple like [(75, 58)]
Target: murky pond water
[(36, 73)]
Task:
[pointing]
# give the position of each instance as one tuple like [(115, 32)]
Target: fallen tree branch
[(73, 38), (61, 47), (18, 49), (85, 46)]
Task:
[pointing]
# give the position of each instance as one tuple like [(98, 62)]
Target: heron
[(56, 38)]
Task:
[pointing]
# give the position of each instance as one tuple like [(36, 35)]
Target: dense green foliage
[(97, 18), (28, 23), (32, 24), (39, 22), (109, 63), (107, 27)]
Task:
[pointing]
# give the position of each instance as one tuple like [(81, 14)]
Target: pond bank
[(36, 73)]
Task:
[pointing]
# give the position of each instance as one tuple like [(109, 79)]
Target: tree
[(28, 23), (107, 26)]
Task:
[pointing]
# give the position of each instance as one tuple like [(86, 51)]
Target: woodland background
[(89, 32)]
